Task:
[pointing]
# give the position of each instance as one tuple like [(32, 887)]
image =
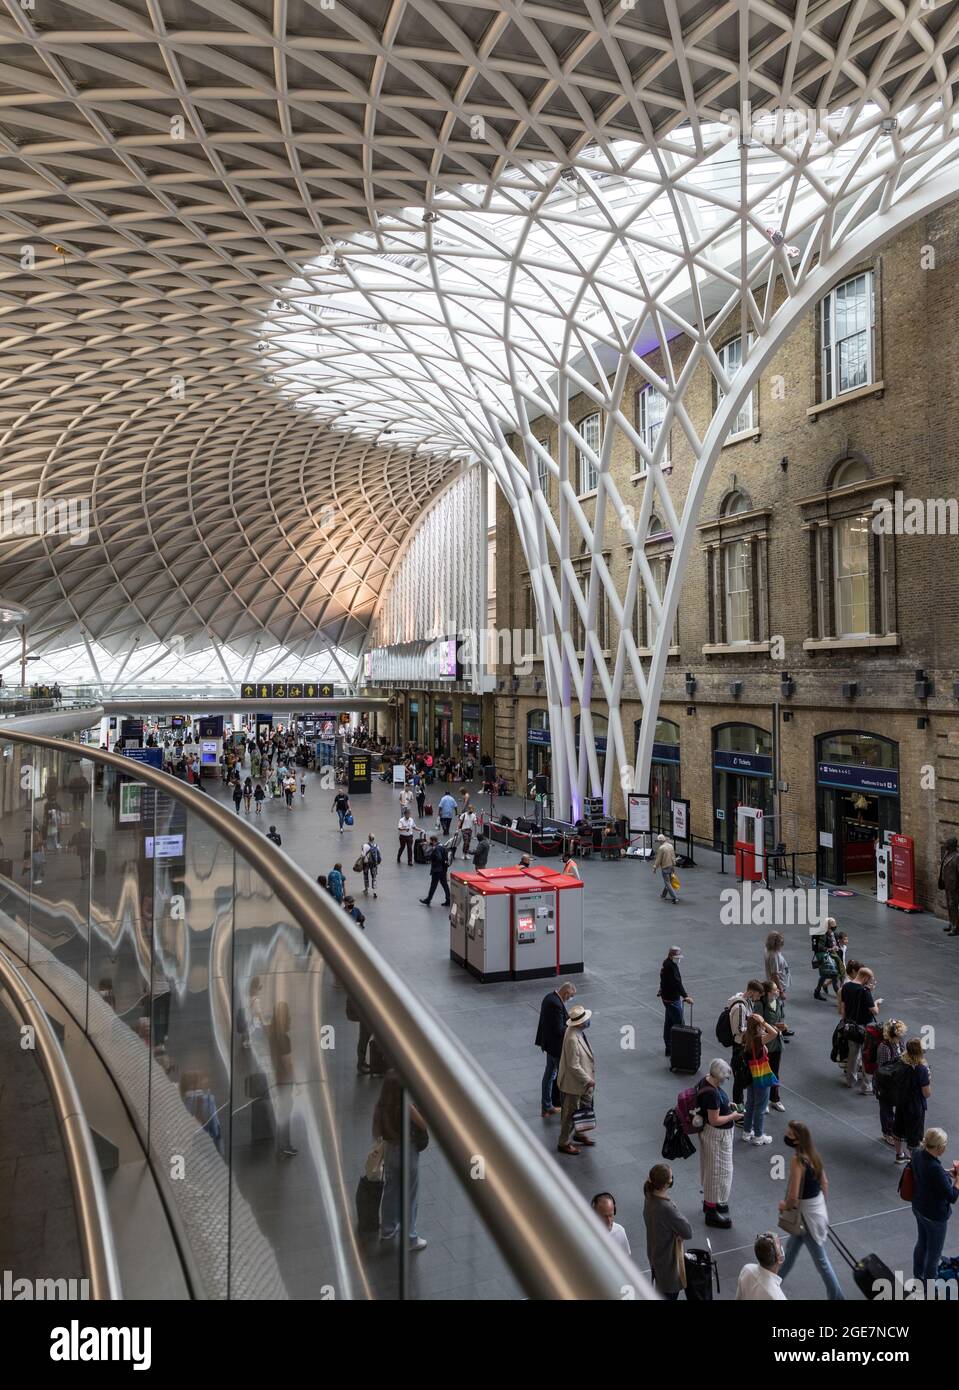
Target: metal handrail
[(94, 1226), (539, 1220)]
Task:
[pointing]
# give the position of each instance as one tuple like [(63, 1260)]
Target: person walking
[(857, 1008), (341, 805), (909, 1117), (388, 1126), (666, 1229), (576, 1079), (438, 866), (274, 835), (761, 1078), (889, 1050), (604, 1205), (289, 789), (672, 992), (716, 1143), (807, 1190), (336, 883), (259, 796), (550, 1033), (247, 794), (467, 825), (371, 861), (771, 1008), (351, 910), (420, 792), (665, 862), (481, 853), (406, 800), (933, 1198), (407, 830), (446, 810), (949, 883), (761, 1281), (237, 796)]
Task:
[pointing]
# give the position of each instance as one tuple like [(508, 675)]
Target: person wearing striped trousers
[(716, 1144)]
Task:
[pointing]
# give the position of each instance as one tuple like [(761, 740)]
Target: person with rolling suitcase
[(803, 1213), (672, 992)]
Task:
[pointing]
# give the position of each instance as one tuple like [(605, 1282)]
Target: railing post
[(405, 1204)]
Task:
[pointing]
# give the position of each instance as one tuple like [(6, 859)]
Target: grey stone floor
[(38, 1233), (628, 932)]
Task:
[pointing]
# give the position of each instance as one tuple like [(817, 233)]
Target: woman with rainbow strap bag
[(761, 1078)]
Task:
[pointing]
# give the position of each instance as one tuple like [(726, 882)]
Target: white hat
[(578, 1015), (660, 839)]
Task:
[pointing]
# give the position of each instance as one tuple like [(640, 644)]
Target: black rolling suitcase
[(99, 863), (867, 1271), (369, 1195), (685, 1046), (701, 1270), (419, 851)]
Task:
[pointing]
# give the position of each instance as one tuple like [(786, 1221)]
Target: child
[(351, 910), (824, 961)]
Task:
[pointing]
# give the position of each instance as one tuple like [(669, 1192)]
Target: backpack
[(724, 1026), (892, 1082), (870, 1048), (687, 1109)]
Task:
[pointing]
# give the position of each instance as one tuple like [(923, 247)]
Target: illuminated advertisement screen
[(448, 663), (208, 753)]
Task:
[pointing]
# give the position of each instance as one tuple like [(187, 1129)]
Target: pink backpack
[(687, 1108)]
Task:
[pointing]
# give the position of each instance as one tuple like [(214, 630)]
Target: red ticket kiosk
[(513, 923), (902, 873)]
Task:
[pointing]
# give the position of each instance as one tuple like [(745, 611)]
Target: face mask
[(678, 960), (790, 1142), (585, 1025)]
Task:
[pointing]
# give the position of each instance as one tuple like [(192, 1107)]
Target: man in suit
[(576, 1078), (549, 1037)]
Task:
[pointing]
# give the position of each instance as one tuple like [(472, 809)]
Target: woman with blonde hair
[(806, 1193), (889, 1050), (909, 1117)]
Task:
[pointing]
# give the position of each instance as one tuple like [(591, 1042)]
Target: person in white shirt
[(407, 829), (761, 1280), (604, 1205), (406, 800), (467, 826)]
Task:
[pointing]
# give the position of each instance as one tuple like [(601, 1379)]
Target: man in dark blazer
[(549, 1036)]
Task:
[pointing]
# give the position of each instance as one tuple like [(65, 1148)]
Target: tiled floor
[(628, 932)]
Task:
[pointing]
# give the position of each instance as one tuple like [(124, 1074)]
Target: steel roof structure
[(269, 272)]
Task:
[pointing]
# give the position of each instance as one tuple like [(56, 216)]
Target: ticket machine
[(516, 924)]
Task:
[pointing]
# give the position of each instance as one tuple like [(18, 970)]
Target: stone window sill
[(641, 477), (741, 437), (846, 644), (875, 388), (648, 651), (736, 649)]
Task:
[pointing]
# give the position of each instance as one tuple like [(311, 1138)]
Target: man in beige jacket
[(576, 1077), (665, 862)]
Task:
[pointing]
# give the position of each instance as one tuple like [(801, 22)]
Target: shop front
[(538, 750), (742, 776), (857, 803), (665, 785), (472, 729), (442, 727)]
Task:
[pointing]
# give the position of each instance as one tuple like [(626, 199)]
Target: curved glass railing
[(228, 997)]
